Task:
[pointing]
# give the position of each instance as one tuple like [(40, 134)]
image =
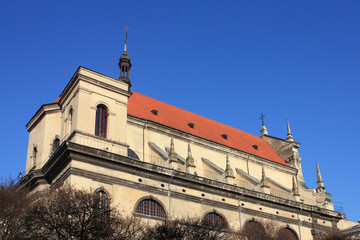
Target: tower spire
[(289, 136), (320, 183), (125, 63)]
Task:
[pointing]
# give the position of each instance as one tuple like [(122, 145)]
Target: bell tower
[(125, 64)]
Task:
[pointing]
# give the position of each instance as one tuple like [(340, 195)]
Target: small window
[(224, 136), (101, 121), (191, 125), (55, 144), (214, 219), (150, 207), (255, 147), (132, 154), (155, 112)]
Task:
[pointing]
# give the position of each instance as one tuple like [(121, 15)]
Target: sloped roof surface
[(141, 106)]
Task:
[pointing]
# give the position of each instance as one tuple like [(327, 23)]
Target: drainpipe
[(247, 164), (240, 208), (144, 139), (300, 221), (172, 175)]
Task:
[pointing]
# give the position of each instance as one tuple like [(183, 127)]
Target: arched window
[(214, 219), (101, 121), (103, 199), (55, 144), (34, 155), (68, 122), (253, 229), (132, 154), (150, 207), (287, 234)]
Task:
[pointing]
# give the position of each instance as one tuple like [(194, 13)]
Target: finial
[(189, 159), (264, 181), (320, 183), (172, 147), (295, 188), (126, 34), (289, 136), (189, 150), (262, 119), (229, 173)]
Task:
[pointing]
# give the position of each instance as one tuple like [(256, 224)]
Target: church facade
[(158, 162)]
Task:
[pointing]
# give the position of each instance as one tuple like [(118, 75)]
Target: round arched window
[(214, 219), (150, 207), (287, 234), (253, 229)]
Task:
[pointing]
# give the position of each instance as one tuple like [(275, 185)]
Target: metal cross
[(262, 118), (126, 30)]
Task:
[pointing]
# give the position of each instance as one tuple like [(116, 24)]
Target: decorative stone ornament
[(173, 162), (320, 183), (264, 183), (229, 173), (190, 162)]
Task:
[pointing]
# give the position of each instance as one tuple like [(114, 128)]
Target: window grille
[(150, 207), (213, 219)]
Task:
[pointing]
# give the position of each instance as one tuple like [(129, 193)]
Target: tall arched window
[(68, 122), (287, 234), (214, 219), (101, 121), (34, 155), (103, 199), (150, 207)]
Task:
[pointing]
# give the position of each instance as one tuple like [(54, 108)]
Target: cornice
[(143, 169), (79, 76), (43, 110)]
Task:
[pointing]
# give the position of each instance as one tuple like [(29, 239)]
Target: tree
[(68, 213), (184, 229), (14, 204), (334, 235)]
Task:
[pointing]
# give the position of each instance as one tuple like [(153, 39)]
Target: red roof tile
[(141, 106), (57, 100)]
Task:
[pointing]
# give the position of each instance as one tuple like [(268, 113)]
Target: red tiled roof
[(57, 100), (141, 106)]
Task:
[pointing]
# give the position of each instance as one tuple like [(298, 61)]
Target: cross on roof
[(262, 118)]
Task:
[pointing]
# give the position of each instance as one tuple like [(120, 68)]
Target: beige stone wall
[(125, 199), (42, 136)]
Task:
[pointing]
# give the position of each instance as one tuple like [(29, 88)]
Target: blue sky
[(226, 60)]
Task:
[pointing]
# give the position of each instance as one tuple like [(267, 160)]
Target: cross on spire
[(125, 45), (262, 118)]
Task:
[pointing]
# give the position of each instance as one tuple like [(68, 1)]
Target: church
[(157, 162)]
